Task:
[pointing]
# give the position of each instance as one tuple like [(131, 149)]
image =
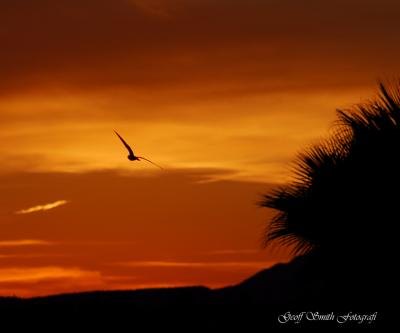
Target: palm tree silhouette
[(344, 199)]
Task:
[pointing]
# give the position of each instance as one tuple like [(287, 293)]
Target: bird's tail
[(143, 158)]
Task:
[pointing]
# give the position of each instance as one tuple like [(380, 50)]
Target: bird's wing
[(143, 158), (125, 144)]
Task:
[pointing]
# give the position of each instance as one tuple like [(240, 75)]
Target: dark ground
[(257, 302)]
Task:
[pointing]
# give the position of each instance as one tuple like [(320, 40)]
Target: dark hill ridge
[(294, 286), (265, 287), (281, 285)]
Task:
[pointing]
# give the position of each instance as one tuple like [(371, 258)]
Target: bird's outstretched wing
[(125, 144), (143, 158)]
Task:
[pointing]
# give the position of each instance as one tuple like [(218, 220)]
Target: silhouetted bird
[(132, 156)]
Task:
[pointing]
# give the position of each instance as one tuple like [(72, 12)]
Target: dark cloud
[(196, 45)]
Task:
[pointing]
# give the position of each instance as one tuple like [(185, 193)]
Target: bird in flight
[(132, 156)]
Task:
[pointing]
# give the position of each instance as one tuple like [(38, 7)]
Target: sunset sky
[(222, 94)]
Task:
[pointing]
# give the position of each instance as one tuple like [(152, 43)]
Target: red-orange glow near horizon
[(221, 94)]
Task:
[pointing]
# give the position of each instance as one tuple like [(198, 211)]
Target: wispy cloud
[(23, 242), (44, 207), (156, 8), (26, 274), (244, 251), (189, 264)]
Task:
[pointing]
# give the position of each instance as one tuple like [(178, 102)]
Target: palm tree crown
[(345, 190)]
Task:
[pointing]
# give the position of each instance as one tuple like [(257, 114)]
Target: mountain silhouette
[(254, 303)]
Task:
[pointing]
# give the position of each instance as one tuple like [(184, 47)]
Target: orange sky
[(222, 94)]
